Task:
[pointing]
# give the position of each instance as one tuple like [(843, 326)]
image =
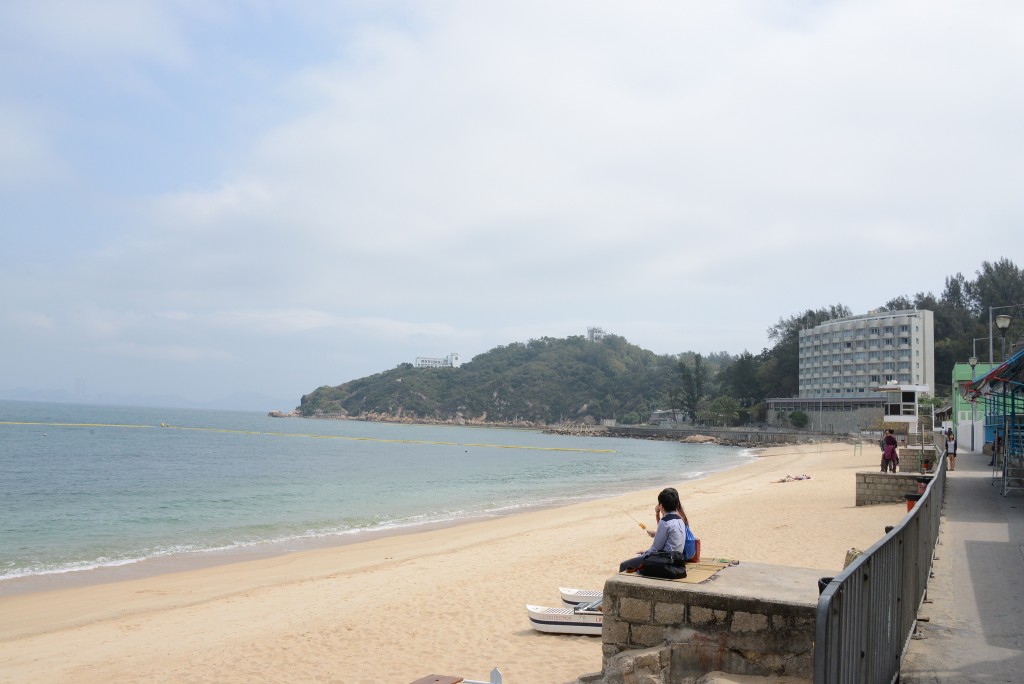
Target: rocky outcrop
[(575, 429), (399, 416)]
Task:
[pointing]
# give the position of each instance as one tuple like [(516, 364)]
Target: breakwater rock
[(576, 430)]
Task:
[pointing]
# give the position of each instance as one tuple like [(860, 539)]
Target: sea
[(86, 490)]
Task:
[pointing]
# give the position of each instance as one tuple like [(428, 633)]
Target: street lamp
[(1003, 322), (974, 362)]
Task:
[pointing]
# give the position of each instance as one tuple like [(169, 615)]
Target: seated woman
[(671, 534)]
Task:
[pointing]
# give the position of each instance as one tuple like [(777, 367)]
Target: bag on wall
[(663, 564)]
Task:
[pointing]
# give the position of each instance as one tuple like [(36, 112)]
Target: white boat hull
[(578, 597), (565, 620)]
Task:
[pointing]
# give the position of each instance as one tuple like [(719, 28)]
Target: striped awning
[(1008, 377)]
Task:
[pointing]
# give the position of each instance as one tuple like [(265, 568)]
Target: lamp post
[(1003, 322), (974, 362)]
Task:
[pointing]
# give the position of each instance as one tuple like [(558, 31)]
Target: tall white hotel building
[(851, 357)]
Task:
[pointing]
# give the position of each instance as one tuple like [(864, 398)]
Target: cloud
[(100, 30), (163, 353), (26, 156), (274, 322), (380, 180)]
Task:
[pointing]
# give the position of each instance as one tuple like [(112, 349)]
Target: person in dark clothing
[(671, 534), (890, 454)]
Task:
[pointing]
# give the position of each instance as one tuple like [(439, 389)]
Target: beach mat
[(696, 573)]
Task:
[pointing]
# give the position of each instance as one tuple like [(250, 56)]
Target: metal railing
[(867, 614)]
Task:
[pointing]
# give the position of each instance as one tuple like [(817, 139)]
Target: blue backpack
[(690, 548)]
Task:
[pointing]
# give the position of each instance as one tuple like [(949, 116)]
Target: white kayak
[(585, 618), (575, 597)]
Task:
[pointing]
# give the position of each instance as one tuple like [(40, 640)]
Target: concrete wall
[(835, 422), (749, 619), (731, 435), (885, 488)]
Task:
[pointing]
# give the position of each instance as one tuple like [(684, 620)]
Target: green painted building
[(968, 418)]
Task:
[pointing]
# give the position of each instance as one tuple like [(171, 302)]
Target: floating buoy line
[(167, 426)]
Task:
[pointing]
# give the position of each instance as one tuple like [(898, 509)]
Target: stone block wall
[(885, 488), (910, 458), (751, 619)]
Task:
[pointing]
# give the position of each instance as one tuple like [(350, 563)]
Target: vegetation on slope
[(552, 380)]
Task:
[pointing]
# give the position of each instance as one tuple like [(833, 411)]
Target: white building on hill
[(450, 361)]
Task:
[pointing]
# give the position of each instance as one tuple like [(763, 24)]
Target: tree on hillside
[(722, 411), (961, 313), (741, 380), (783, 368), (901, 303), (998, 284), (692, 382), (955, 294)]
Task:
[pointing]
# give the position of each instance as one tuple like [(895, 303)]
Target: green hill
[(552, 380), (542, 381)]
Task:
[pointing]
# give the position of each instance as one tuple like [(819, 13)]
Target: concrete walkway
[(975, 603)]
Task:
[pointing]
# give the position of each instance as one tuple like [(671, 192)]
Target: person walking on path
[(890, 455), (997, 444), (951, 450)]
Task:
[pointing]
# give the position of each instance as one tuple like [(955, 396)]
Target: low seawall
[(749, 619), (739, 437), (886, 488)]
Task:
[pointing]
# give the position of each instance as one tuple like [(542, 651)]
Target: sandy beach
[(447, 601)]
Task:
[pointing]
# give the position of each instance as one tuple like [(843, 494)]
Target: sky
[(204, 198)]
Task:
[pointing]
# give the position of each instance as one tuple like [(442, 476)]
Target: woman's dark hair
[(671, 503)]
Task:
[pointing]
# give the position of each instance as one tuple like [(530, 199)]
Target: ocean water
[(84, 488)]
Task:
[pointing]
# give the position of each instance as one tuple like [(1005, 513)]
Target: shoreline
[(449, 600), (198, 560), (183, 561)]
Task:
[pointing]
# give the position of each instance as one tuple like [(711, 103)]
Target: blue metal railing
[(867, 614)]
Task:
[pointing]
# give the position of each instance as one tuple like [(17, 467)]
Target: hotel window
[(874, 331), (888, 330)]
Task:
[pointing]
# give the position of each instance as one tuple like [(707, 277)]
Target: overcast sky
[(201, 197)]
